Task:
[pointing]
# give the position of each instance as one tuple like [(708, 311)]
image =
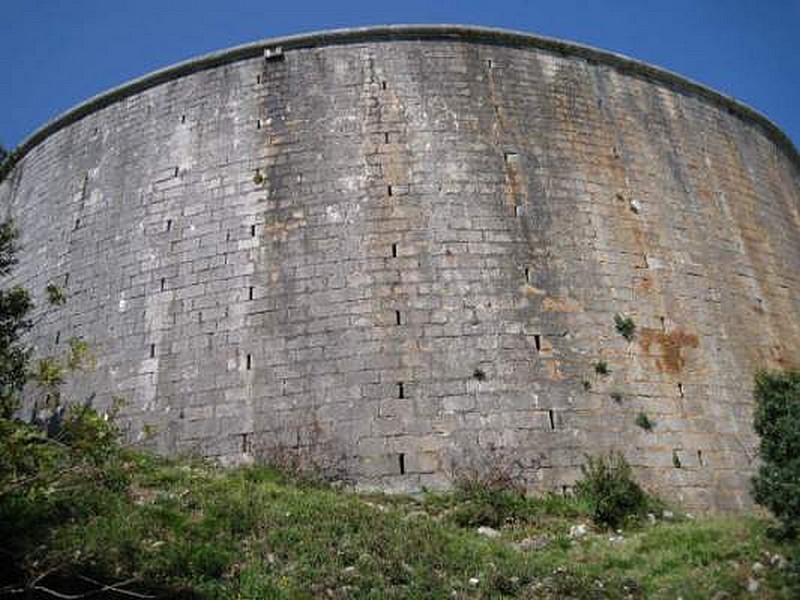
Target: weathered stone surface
[(396, 256)]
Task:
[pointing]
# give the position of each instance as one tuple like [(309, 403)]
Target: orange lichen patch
[(565, 305), (553, 370), (671, 347), (529, 290), (646, 283)]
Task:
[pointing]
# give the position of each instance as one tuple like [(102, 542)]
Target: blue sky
[(59, 53)]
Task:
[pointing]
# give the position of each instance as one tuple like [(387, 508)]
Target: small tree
[(15, 305), (776, 484)]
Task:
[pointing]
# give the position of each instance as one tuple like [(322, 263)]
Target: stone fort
[(397, 254)]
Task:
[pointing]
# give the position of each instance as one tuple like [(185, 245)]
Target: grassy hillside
[(191, 530)]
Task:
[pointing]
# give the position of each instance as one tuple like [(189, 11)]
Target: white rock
[(667, 514), (752, 585), (488, 532), (474, 581), (757, 567), (578, 531)]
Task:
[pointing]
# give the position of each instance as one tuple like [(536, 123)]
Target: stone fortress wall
[(397, 253)]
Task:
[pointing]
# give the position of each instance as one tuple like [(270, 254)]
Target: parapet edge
[(382, 33)]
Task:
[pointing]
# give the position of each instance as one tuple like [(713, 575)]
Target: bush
[(776, 484), (625, 326), (609, 488)]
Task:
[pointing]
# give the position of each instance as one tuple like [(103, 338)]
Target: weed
[(587, 385), (258, 178), (625, 326), (601, 367), (643, 421)]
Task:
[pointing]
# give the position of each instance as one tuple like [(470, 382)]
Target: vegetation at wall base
[(189, 529)]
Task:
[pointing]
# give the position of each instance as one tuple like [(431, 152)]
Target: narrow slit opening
[(527, 275), (152, 350), (250, 293), (77, 224), (386, 137), (394, 250), (383, 85), (66, 279), (244, 443), (401, 459), (537, 341), (163, 284), (700, 458), (249, 362), (176, 172), (397, 317), (258, 124), (552, 418), (680, 390), (169, 225), (252, 231), (401, 393), (489, 63), (388, 190), (58, 337), (258, 78), (183, 118)]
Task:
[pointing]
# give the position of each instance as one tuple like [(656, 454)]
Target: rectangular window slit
[(169, 224), (489, 63), (527, 275), (250, 293), (176, 172), (537, 341), (152, 350), (397, 317), (183, 118), (386, 137), (252, 231), (258, 78), (401, 393), (680, 390), (77, 224), (551, 416), (401, 459), (58, 337), (389, 190), (383, 85), (394, 250), (244, 443), (258, 124), (700, 458), (511, 158), (163, 284), (66, 279), (249, 362)]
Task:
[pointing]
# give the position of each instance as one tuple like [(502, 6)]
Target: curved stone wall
[(397, 254)]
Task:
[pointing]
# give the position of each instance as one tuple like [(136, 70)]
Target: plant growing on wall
[(625, 326)]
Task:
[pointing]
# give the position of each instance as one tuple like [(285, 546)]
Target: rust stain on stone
[(563, 304), (670, 355)]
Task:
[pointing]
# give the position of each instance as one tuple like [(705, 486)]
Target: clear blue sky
[(58, 53)]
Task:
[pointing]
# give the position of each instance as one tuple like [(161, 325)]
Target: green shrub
[(625, 326), (643, 421), (601, 367), (777, 421), (609, 488)]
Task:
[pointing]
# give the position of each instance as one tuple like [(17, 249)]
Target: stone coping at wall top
[(382, 33)]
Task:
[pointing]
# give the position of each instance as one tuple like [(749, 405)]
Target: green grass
[(188, 530)]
